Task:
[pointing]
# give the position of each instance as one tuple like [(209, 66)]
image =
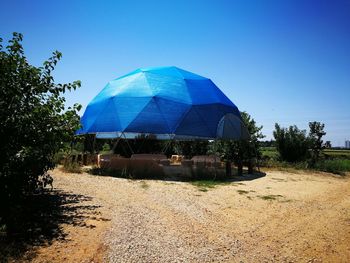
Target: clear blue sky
[(281, 61)]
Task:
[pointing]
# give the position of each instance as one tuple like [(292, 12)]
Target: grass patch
[(144, 185), (333, 153), (269, 152), (337, 166), (270, 197), (335, 161), (71, 167), (242, 192), (205, 185)]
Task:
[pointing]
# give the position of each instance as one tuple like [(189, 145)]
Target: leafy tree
[(34, 123), (328, 144), (315, 139), (270, 143), (292, 144), (191, 148), (242, 151)]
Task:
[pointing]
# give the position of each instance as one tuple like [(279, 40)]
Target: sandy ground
[(280, 217)]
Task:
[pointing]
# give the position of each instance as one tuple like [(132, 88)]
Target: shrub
[(315, 139), (292, 144), (71, 167), (34, 123), (59, 157)]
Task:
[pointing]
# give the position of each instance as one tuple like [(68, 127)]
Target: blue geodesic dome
[(167, 102)]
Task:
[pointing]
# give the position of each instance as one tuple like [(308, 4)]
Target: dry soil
[(280, 217)]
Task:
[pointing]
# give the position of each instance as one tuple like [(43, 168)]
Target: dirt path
[(281, 217)]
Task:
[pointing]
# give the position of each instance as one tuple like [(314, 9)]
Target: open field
[(277, 217), (334, 153), (337, 153)]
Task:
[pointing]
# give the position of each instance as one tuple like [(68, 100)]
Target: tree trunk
[(240, 168), (250, 167), (228, 169)]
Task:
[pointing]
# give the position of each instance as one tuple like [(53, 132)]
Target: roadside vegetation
[(296, 149)]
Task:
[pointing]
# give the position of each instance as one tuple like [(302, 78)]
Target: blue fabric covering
[(165, 101)]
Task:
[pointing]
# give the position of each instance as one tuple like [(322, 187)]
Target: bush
[(59, 157), (34, 123), (106, 148), (273, 163), (292, 144), (71, 167)]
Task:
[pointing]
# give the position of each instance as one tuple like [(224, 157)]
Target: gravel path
[(281, 217)]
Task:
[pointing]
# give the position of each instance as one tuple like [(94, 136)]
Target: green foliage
[(333, 161), (71, 167), (141, 144), (269, 152), (337, 166), (292, 144), (243, 150), (268, 144), (144, 185), (34, 122), (106, 148), (191, 148), (283, 165), (336, 154), (328, 144), (315, 139), (204, 185)]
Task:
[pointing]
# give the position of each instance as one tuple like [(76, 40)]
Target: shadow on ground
[(39, 221), (196, 176), (248, 177)]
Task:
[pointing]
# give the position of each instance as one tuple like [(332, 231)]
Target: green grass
[(332, 153), (205, 185), (71, 167), (269, 152), (335, 161), (337, 166), (144, 185)]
